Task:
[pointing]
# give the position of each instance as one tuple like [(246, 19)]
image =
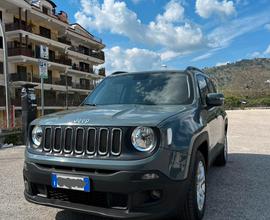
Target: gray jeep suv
[(139, 146)]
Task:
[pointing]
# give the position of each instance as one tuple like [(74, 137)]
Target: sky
[(154, 34)]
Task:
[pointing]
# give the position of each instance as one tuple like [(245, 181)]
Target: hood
[(112, 115)]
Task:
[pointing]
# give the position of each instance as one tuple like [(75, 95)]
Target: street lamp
[(5, 65)]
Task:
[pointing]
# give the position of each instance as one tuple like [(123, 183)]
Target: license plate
[(64, 181)]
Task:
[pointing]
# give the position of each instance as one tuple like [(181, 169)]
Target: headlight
[(143, 139), (37, 136)]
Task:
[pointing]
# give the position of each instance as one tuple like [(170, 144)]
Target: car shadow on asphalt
[(238, 191)]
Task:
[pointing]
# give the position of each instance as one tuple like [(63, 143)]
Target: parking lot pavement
[(241, 190)]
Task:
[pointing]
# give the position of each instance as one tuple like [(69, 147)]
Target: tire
[(194, 205), (222, 158)]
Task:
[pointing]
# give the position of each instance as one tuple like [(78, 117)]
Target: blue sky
[(146, 34)]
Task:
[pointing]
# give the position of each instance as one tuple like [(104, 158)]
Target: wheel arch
[(201, 143)]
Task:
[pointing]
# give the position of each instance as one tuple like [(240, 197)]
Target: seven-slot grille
[(82, 140)]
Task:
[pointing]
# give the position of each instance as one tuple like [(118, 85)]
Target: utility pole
[(6, 75), (66, 76)]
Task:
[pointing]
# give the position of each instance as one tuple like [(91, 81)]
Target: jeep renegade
[(139, 146)]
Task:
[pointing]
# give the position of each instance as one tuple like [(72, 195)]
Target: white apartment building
[(73, 54)]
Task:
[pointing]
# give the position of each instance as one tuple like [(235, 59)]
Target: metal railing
[(20, 52), (30, 29), (17, 26), (91, 53)]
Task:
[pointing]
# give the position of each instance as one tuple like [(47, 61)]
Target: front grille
[(82, 141)]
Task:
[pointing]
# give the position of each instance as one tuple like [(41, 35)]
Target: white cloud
[(222, 36), (110, 15), (174, 12), (222, 63), (258, 54), (207, 8), (267, 51), (169, 55), (169, 30), (134, 59), (202, 57), (255, 54)]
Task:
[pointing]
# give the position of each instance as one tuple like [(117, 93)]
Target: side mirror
[(215, 99)]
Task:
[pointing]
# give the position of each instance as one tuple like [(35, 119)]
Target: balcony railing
[(63, 60), (86, 70), (14, 77), (64, 40), (98, 55), (82, 86), (17, 26), (29, 28), (27, 77), (20, 52), (30, 53)]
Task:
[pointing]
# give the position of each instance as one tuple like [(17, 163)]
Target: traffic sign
[(43, 69)]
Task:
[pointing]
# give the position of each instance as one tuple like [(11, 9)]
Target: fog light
[(156, 194), (150, 176)]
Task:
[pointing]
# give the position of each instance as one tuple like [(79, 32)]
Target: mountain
[(245, 78)]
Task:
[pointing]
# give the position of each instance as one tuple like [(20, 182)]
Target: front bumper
[(116, 194)]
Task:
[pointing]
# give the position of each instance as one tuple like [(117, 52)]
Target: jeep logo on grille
[(81, 121)]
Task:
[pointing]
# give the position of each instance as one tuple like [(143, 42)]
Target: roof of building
[(52, 3), (86, 31)]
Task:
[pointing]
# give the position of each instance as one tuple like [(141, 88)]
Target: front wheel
[(194, 206), (222, 158)]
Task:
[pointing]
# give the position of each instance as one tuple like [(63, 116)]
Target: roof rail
[(194, 68), (118, 72)]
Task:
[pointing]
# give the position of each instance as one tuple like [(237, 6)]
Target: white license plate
[(63, 181)]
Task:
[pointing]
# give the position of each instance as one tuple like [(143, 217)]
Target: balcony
[(15, 77), (20, 52), (16, 26), (91, 53), (28, 77), (87, 86), (99, 55), (64, 40), (62, 59), (82, 69), (29, 28)]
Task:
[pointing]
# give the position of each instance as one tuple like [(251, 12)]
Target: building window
[(45, 10), (1, 68), (21, 69), (45, 32), (1, 42)]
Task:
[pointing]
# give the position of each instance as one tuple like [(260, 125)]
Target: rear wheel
[(194, 206), (222, 158)]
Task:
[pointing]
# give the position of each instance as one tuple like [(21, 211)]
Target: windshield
[(144, 89)]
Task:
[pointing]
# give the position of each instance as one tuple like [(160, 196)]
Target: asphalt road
[(239, 191)]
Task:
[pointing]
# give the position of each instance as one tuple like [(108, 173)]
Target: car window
[(155, 88), (211, 86), (203, 88)]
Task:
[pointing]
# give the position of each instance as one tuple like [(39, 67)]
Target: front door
[(209, 114)]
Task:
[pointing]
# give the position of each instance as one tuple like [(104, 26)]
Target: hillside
[(245, 78)]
